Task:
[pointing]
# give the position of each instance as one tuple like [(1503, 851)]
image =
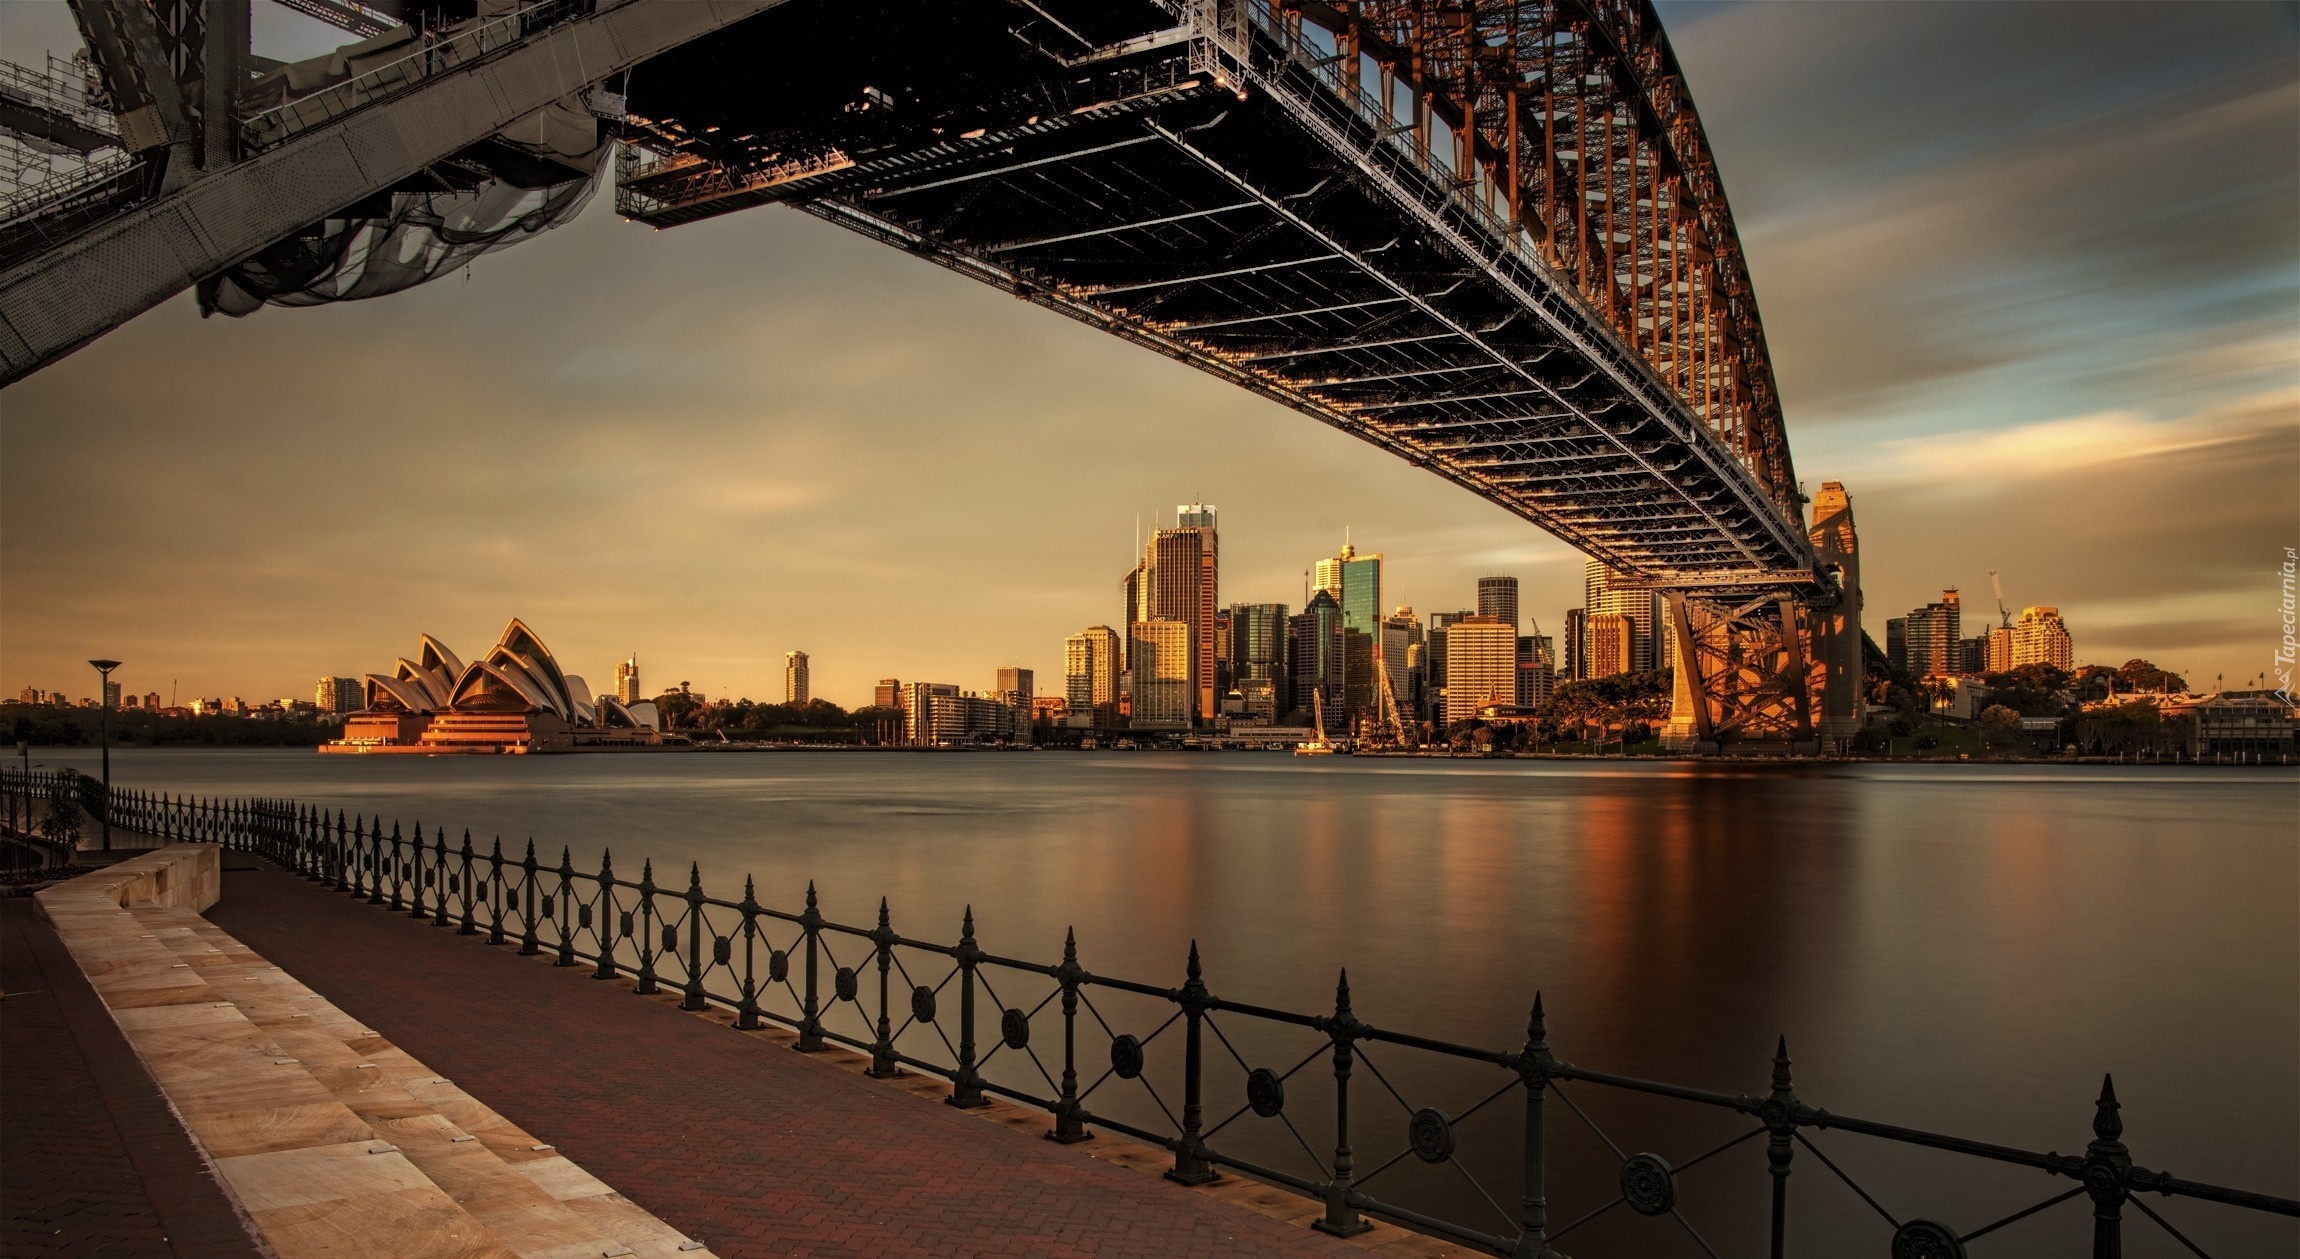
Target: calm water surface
[(1961, 948)]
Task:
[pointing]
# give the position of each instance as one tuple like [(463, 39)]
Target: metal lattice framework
[(1487, 237)]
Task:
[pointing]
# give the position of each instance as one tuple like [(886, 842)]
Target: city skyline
[(146, 499)]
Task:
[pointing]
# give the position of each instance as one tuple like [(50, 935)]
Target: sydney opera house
[(514, 700)]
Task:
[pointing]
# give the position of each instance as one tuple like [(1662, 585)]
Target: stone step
[(536, 1203)]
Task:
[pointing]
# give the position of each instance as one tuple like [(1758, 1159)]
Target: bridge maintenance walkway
[(733, 1138)]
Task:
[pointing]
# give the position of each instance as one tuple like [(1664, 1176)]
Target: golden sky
[(2033, 296)]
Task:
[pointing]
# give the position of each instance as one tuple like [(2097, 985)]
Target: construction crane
[(2004, 617)]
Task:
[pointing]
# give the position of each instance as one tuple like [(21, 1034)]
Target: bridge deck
[(732, 1138)]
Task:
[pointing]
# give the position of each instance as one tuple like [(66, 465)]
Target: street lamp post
[(104, 739)]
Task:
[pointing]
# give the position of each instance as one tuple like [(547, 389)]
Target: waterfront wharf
[(731, 1137)]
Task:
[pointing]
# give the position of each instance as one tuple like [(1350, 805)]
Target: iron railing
[(815, 976)]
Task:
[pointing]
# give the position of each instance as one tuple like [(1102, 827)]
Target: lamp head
[(105, 665)]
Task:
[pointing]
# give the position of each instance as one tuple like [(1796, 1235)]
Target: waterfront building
[(627, 680), (887, 694), (1090, 668), (515, 699), (1497, 597), (1434, 649), (795, 687), (1017, 689), (1361, 680), (1314, 649), (1162, 673), (1897, 640), (1480, 666), (918, 702), (1259, 668), (2240, 723), (2039, 637), (1178, 579), (965, 717), (1401, 664), (1576, 645), (1602, 594), (1613, 643), (1536, 669), (333, 695), (1932, 636), (1355, 582)]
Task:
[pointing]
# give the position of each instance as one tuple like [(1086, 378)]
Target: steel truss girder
[(1743, 671), (68, 296), (1115, 228)]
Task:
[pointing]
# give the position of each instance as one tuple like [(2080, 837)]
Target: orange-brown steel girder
[(1576, 113)]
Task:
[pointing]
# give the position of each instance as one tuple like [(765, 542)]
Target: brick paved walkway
[(94, 1163), (743, 1144)]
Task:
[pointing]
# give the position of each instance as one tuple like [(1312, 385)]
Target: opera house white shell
[(514, 699)]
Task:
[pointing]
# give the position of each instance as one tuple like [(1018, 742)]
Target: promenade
[(733, 1138)]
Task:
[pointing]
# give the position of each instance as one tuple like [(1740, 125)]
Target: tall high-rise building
[(2039, 637), (1897, 640), (1536, 667), (1602, 594), (1090, 668), (1314, 648), (627, 680), (1480, 666), (152, 698), (2000, 652), (333, 695), (1931, 638), (1613, 641), (1179, 579), (1401, 661), (918, 705), (111, 695), (1434, 649), (1576, 645), (1355, 582), (1361, 678), (887, 694), (1016, 680), (1162, 670), (795, 687), (1497, 598), (1258, 659)]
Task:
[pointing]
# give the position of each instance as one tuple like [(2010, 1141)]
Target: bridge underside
[(1214, 200)]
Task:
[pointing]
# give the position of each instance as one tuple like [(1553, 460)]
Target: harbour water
[(1960, 948)]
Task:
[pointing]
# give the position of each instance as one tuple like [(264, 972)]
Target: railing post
[(1341, 1218), (2107, 1165), (495, 892), (747, 1011), (646, 926), (606, 917), (1533, 1068), (562, 909), (345, 874), (694, 999), (415, 878), (529, 945), (965, 1085), (440, 877), (882, 1066), (468, 927), (406, 867), (1779, 1112), (810, 1010), (1069, 1129), (1190, 1165)]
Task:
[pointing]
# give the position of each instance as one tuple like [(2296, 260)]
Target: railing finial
[(2107, 1117)]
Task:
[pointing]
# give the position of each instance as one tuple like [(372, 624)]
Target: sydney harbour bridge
[(1487, 236)]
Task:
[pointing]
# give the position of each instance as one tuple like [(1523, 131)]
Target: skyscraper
[(1613, 641), (1314, 646), (1355, 582), (1576, 645), (1642, 607), (1017, 687), (1402, 640), (1480, 666), (1497, 597), (1179, 579), (1434, 651), (1162, 660), (887, 694), (1931, 638), (2040, 638), (795, 689), (1258, 659), (627, 680), (1090, 667), (333, 695)]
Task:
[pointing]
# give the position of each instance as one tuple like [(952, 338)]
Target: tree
[(2000, 726), (2034, 690)]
